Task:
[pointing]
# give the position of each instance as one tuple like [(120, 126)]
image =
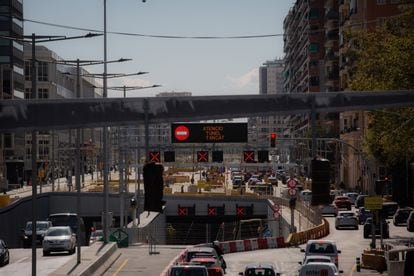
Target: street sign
[(292, 192), (181, 133), (276, 207), (209, 133), (373, 203), (276, 215), (292, 183)]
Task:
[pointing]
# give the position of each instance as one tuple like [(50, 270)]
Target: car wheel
[(366, 236), (336, 227), (356, 227), (46, 253)]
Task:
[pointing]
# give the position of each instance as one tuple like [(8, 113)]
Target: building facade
[(11, 81)]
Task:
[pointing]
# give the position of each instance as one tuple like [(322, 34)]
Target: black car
[(360, 200), (368, 229), (4, 253), (401, 215), (389, 208)]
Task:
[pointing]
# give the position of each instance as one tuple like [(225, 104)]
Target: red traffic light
[(273, 140)]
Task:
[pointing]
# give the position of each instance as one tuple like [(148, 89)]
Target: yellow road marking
[(120, 267), (352, 270)]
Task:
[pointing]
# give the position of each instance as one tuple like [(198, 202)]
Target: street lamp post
[(33, 39)]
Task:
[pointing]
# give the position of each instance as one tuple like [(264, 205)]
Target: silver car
[(346, 219), (58, 239)]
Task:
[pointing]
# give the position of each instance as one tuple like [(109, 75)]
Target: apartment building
[(11, 80), (311, 66)]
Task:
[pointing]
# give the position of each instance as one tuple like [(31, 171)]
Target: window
[(42, 93), (42, 74), (8, 140), (314, 14), (27, 70), (313, 63), (28, 93), (314, 81), (314, 47)]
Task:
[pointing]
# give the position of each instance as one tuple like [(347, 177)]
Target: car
[(204, 252), (237, 181), (213, 265), (259, 269), (198, 251), (363, 214), (343, 202), (273, 180), (329, 209), (41, 227), (352, 196), (188, 270), (319, 268), (58, 239), (389, 208), (360, 201), (410, 222), (368, 229), (71, 220), (346, 219), (96, 235), (4, 253), (316, 258), (322, 247), (401, 215)]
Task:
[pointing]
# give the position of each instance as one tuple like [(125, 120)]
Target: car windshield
[(259, 271), (321, 248), (58, 232)]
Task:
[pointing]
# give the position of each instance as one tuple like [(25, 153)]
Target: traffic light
[(321, 175), (202, 156), (272, 140), (155, 156), (153, 186), (169, 156), (218, 156), (248, 156), (263, 156)]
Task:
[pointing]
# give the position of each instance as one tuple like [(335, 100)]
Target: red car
[(343, 202), (212, 264)]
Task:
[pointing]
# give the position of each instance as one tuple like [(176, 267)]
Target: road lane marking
[(352, 270), (120, 267), (22, 259)]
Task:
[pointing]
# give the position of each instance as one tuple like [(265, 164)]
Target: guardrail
[(302, 237)]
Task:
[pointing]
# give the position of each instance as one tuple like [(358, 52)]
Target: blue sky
[(203, 67)]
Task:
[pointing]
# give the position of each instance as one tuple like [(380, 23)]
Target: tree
[(383, 60)]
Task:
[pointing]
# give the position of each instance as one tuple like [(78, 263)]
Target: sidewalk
[(94, 259)]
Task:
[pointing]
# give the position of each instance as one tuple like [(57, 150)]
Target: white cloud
[(248, 80)]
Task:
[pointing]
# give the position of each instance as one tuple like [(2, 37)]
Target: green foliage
[(383, 60)]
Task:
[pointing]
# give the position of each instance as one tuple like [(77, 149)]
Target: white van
[(315, 268)]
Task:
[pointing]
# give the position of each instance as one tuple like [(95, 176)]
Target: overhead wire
[(153, 35)]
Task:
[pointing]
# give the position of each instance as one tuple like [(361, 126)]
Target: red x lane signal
[(155, 156), (240, 211), (202, 156), (182, 211), (212, 211), (248, 156)]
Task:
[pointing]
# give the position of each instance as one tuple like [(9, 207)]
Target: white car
[(322, 247), (316, 258), (346, 219), (319, 268), (59, 238), (329, 209)]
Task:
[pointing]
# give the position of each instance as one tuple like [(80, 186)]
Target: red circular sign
[(276, 207), (292, 183), (181, 133), (292, 192)]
